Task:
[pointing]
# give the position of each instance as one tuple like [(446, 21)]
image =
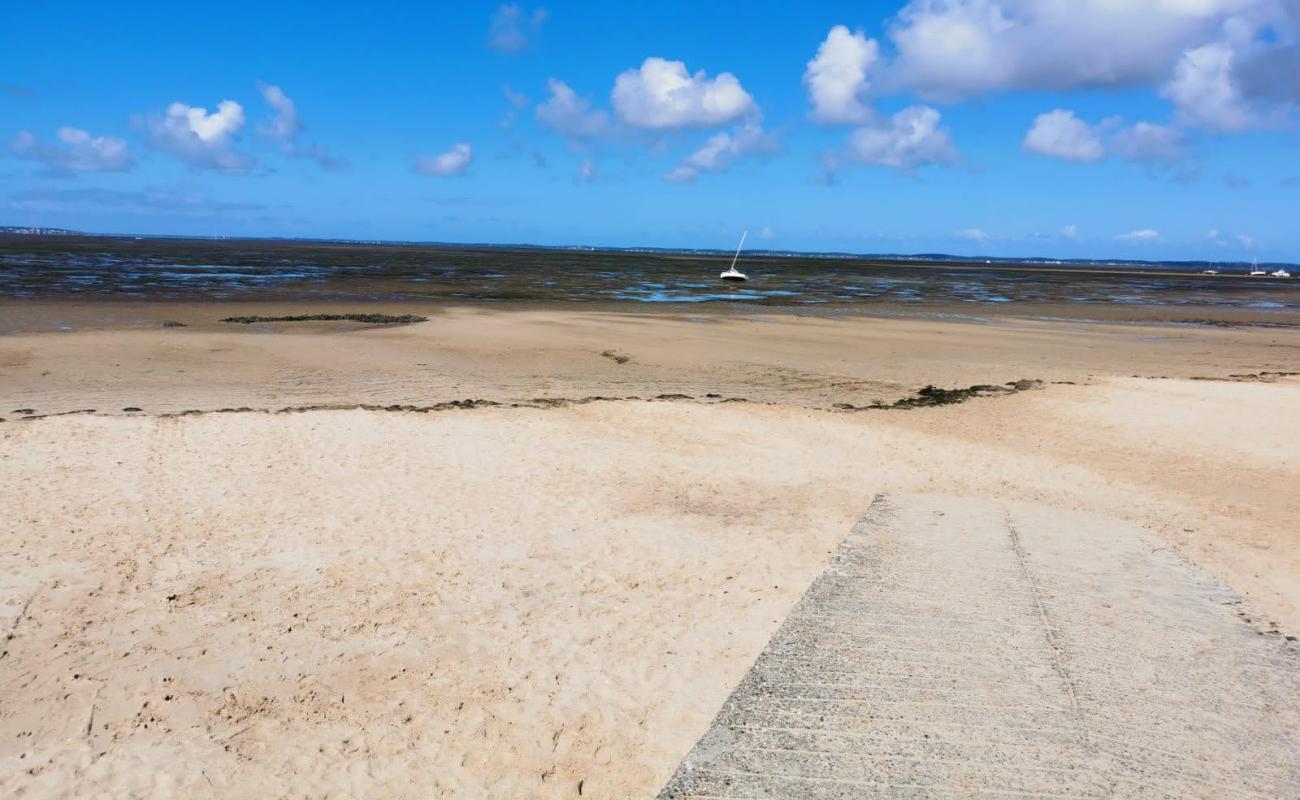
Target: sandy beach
[(529, 552)]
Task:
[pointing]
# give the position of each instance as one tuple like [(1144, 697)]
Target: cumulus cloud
[(285, 126), (1070, 232), (661, 94), (1204, 90), (77, 151), (1060, 134), (201, 139), (837, 77), (973, 235), (723, 148), (1226, 65), (512, 27), (949, 49), (911, 138), (570, 114), (1146, 142), (451, 162), (1140, 235), (1246, 76)]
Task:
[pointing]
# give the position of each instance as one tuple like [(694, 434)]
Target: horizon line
[(17, 230)]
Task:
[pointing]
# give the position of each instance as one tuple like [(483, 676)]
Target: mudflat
[(531, 552)]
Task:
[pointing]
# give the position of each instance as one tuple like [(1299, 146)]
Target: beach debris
[(171, 323), (60, 413), (1226, 323), (929, 396), (1251, 377), (369, 319), (617, 358)]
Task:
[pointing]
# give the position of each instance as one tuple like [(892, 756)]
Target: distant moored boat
[(733, 274)]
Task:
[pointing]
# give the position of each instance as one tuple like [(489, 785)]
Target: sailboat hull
[(733, 278)]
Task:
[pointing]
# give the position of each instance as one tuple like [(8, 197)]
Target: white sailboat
[(1255, 271), (733, 274)]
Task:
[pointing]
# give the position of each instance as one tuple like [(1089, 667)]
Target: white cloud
[(285, 126), (1227, 65), (837, 77), (661, 94), (721, 149), (1141, 235), (948, 49), (570, 114), (511, 28), (79, 152), (767, 233), (587, 172), (452, 162), (204, 140), (1146, 142), (1060, 134), (1070, 232), (911, 138), (1204, 91), (1246, 240), (973, 235)]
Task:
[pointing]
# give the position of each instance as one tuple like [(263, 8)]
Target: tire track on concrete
[(955, 647)]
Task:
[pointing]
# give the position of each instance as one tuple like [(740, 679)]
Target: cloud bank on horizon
[(1155, 89)]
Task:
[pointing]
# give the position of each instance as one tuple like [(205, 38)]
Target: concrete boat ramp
[(960, 647)]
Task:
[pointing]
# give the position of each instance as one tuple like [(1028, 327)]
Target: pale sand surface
[(510, 601)]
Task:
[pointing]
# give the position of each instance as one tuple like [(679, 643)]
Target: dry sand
[(537, 602)]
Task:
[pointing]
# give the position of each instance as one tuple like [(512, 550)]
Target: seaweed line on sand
[(371, 319), (930, 396), (1251, 377), (923, 398)]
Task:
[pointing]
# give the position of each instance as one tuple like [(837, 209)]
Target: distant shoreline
[(12, 232)]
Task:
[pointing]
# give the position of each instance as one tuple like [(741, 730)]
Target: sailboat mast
[(742, 244)]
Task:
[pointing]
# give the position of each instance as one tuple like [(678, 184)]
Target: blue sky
[(1160, 129)]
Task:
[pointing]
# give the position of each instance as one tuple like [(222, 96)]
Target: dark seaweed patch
[(930, 396), (369, 319)]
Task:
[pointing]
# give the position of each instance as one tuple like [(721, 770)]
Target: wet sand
[(559, 590)]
